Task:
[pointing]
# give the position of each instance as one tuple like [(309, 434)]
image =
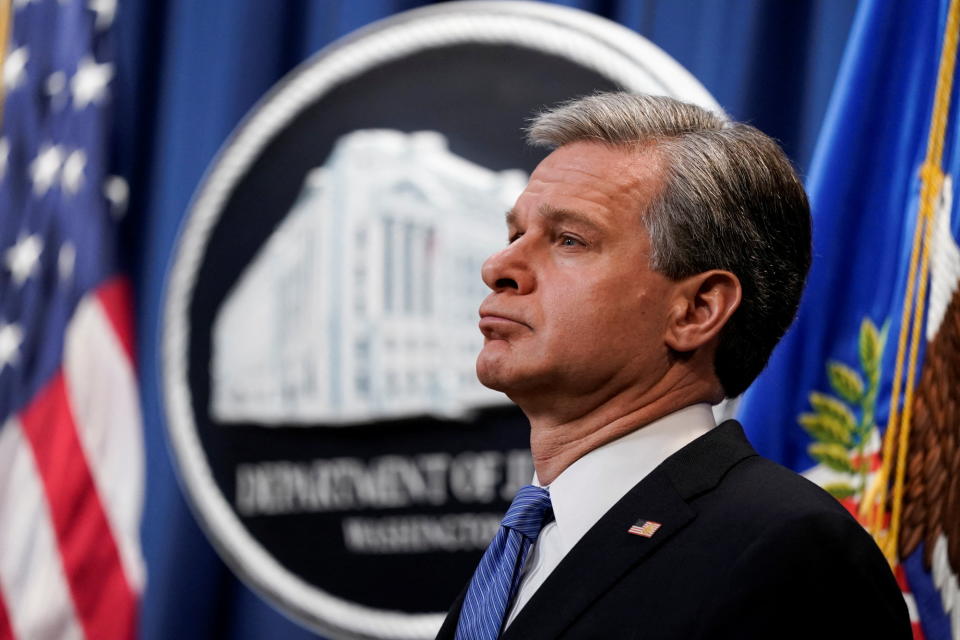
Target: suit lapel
[(605, 553), (601, 557), (448, 630), (608, 550)]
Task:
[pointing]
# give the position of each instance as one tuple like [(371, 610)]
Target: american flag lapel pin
[(645, 528)]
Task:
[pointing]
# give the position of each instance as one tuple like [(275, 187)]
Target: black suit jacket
[(747, 549)]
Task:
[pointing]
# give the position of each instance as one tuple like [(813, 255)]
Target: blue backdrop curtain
[(189, 71)]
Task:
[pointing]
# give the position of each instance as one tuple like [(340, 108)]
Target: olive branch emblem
[(840, 437)]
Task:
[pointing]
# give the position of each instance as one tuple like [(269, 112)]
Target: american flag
[(645, 528), (71, 448)]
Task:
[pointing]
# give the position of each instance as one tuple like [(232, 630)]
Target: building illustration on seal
[(363, 302)]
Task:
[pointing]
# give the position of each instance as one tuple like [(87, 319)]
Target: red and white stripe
[(901, 575), (71, 488)]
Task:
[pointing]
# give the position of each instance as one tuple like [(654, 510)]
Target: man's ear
[(702, 305)]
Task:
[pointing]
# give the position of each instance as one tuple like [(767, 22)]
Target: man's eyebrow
[(557, 215)]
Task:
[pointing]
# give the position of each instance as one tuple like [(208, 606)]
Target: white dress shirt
[(589, 487)]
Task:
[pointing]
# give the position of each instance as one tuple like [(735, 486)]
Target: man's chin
[(492, 380), (506, 380), (493, 373)]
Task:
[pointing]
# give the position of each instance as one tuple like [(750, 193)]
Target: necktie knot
[(496, 579), (528, 511)]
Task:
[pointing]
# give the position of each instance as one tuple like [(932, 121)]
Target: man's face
[(575, 308)]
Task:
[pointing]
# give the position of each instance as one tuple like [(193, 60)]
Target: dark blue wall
[(190, 69)]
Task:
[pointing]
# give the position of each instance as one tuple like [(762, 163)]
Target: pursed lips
[(493, 322)]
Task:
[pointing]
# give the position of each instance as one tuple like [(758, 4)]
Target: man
[(654, 260)]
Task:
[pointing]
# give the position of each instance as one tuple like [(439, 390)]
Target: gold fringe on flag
[(896, 439)]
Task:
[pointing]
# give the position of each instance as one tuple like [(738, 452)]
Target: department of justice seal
[(321, 309)]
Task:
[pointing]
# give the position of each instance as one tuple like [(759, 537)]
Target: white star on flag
[(4, 155), (22, 257), (105, 10), (72, 177), (66, 260), (89, 83), (117, 192), (45, 167), (54, 86), (56, 81), (14, 69), (11, 337)]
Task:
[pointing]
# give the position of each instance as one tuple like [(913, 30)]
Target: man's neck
[(560, 438)]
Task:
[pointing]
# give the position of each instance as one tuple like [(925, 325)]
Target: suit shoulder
[(777, 523), (764, 492)]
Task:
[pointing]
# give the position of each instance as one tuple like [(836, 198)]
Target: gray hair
[(730, 200)]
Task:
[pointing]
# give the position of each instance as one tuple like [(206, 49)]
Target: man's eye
[(513, 238), (570, 241)]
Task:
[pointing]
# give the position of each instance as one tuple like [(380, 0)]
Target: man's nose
[(509, 268)]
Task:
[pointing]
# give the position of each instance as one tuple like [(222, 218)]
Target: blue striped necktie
[(495, 582)]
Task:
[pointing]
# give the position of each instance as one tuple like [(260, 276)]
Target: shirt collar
[(585, 490)]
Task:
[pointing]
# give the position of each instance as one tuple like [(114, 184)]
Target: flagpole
[(6, 22)]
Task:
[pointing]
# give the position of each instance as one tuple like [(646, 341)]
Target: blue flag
[(861, 392)]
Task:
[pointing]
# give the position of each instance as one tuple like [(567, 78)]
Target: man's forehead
[(586, 163), (586, 182)]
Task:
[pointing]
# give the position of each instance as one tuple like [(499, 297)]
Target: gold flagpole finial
[(6, 25)]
